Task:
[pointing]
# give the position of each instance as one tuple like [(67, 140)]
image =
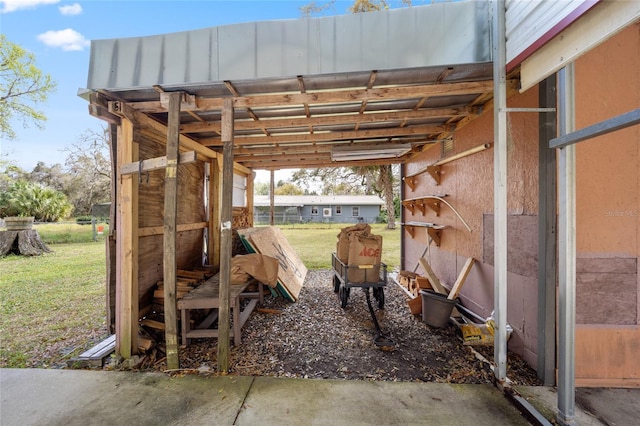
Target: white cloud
[(71, 9), (13, 5), (67, 39)]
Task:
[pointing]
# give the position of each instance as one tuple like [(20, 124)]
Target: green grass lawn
[(51, 303), (315, 243), (52, 307), (69, 232)]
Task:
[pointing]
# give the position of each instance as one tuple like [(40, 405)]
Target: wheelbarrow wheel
[(378, 293), (336, 283), (344, 296)]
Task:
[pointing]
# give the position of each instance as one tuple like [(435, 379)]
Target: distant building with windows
[(318, 208)]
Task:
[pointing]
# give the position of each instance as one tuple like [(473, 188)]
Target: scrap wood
[(431, 276), (269, 311), (152, 324), (94, 357), (415, 305), (455, 290), (199, 275)]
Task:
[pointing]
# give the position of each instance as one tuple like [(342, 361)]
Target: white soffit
[(599, 24)]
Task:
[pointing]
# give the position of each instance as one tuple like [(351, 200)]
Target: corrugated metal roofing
[(300, 87), (404, 38), (319, 200)]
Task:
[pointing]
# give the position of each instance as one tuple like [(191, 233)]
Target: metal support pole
[(272, 208), (500, 190), (547, 234), (567, 250)]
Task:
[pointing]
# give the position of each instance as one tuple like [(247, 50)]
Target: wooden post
[(126, 247), (225, 235), (214, 213), (170, 213)]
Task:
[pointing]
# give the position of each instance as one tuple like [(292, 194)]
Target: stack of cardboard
[(361, 251)]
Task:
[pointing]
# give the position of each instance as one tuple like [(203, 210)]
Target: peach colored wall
[(468, 183), (608, 216), (608, 206)]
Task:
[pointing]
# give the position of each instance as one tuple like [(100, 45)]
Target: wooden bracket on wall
[(434, 231), (435, 173), (421, 203)]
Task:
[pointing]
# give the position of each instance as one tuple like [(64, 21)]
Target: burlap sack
[(342, 249), (364, 250)]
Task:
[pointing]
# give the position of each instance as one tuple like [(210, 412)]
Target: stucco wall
[(608, 206), (468, 183), (608, 216)]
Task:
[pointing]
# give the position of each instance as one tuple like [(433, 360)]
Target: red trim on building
[(554, 31)]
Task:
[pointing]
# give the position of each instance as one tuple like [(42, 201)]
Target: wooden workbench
[(207, 296)]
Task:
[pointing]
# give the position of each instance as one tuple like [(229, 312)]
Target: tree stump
[(27, 243)]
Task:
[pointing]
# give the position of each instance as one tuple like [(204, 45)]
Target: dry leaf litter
[(315, 338)]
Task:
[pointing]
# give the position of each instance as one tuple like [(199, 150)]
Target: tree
[(22, 86), (288, 188), (89, 171), (366, 180), (29, 199)]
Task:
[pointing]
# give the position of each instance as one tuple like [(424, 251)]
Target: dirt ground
[(316, 338)]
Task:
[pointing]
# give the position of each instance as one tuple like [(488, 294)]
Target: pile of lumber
[(413, 282), (185, 282)]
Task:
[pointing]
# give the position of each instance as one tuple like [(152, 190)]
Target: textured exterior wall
[(608, 217), (608, 206)]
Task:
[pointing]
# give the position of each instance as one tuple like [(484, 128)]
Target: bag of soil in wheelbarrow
[(365, 253), (342, 249)]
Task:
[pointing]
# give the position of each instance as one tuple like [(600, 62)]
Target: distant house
[(318, 208)]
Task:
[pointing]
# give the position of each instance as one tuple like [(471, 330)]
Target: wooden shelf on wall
[(434, 169), (422, 203), (433, 230)]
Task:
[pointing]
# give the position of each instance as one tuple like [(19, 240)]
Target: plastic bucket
[(436, 308)]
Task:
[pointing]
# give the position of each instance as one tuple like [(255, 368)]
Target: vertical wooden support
[(126, 247), (272, 209), (169, 238), (249, 194), (214, 213), (111, 238), (225, 235)]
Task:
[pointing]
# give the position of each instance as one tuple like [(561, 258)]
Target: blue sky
[(59, 32)]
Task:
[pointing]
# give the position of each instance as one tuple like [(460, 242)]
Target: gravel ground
[(316, 338)]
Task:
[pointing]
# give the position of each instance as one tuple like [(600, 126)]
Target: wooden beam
[(329, 136), (169, 240), (431, 276), (126, 248), (372, 117), (455, 290), (215, 192), (125, 110), (156, 163), (159, 230), (225, 237), (287, 163), (349, 96), (337, 96)]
